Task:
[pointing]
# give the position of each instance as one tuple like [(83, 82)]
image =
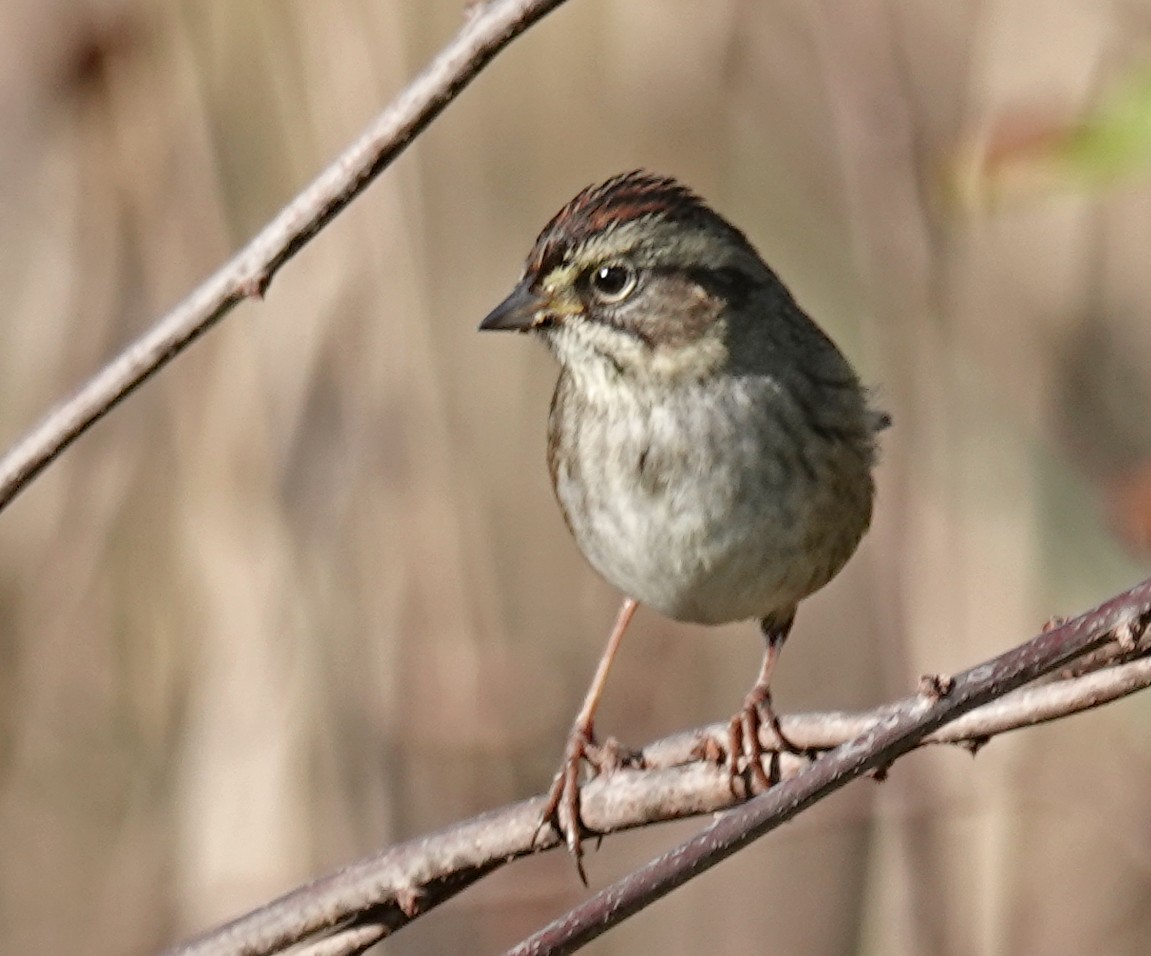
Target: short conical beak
[(520, 311)]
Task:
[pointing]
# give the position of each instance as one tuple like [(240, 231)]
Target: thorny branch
[(489, 28), (1106, 651)]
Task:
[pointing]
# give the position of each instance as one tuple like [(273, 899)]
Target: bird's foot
[(562, 810), (745, 749)]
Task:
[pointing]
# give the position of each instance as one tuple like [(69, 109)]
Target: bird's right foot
[(562, 810)]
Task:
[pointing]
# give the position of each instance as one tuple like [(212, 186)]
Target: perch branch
[(373, 897)]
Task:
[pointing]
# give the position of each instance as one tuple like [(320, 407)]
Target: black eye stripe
[(613, 282)]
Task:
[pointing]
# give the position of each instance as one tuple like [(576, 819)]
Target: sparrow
[(710, 447)]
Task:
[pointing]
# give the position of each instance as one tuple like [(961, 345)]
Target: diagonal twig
[(489, 28)]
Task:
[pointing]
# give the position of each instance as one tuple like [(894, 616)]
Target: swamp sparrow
[(710, 447)]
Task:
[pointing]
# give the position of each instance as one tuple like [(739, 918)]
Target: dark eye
[(612, 283)]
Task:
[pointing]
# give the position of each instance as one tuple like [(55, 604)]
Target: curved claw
[(562, 811)]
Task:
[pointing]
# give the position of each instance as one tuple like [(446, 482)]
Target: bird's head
[(636, 277)]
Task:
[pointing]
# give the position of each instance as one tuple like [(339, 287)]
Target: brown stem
[(489, 28)]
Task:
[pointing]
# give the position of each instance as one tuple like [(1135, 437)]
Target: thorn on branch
[(473, 9), (1128, 632), (707, 748), (611, 755), (408, 899), (935, 686), (974, 744), (256, 286)]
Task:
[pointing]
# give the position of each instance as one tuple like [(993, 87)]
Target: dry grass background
[(307, 593)]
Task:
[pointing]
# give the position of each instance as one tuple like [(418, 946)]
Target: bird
[(710, 447)]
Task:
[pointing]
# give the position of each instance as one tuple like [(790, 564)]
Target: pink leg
[(562, 810)]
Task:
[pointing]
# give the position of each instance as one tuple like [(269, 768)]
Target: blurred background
[(307, 593)]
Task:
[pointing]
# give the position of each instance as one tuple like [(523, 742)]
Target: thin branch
[(903, 727), (373, 897), (489, 28)]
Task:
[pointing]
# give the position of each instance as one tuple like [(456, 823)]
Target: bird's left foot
[(745, 749)]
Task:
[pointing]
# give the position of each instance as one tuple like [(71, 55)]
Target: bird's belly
[(689, 568), (703, 524)]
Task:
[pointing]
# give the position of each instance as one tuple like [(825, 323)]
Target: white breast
[(704, 515)]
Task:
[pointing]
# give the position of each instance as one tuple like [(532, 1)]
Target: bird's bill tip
[(519, 312)]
